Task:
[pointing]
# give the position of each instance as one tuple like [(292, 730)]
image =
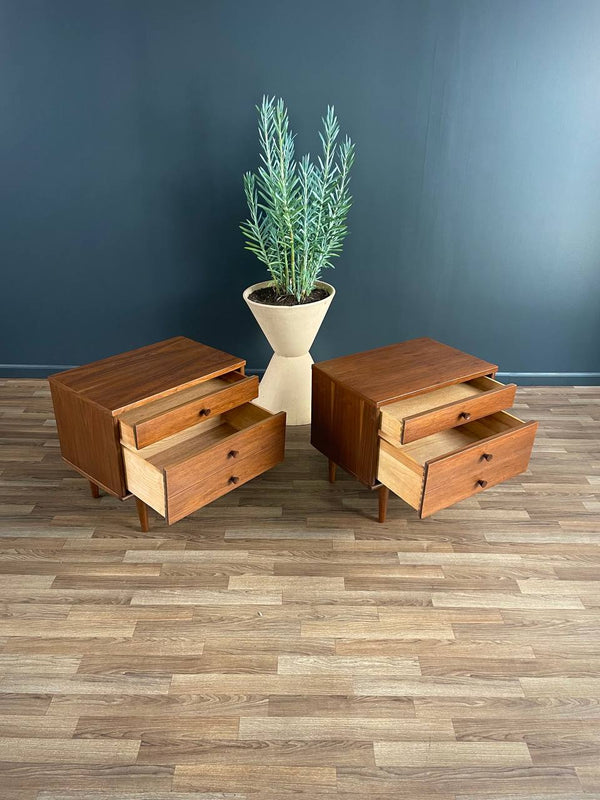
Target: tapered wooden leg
[(384, 494), (331, 471), (94, 489), (142, 510)]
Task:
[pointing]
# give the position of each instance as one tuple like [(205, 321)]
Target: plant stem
[(286, 211)]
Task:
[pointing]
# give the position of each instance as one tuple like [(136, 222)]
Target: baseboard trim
[(552, 378), (522, 378), (32, 370), (43, 370), (550, 374)]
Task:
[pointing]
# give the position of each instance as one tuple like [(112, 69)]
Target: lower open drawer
[(439, 470), (184, 472)]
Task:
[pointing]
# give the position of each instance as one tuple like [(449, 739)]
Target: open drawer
[(184, 472), (420, 416), (157, 419), (439, 470)]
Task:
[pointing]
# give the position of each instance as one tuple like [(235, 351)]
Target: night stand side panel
[(89, 438), (344, 427)]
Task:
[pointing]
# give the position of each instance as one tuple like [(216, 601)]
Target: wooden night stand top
[(399, 370), (123, 381)]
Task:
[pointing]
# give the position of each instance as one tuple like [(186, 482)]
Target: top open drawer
[(158, 419), (420, 416)]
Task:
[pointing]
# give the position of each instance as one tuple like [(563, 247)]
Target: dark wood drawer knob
[(234, 479), (233, 453), (487, 457), (481, 483), (204, 412), (464, 415)]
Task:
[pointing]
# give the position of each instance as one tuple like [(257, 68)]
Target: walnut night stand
[(171, 423), (420, 418)]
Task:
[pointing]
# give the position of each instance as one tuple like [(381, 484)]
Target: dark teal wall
[(125, 126)]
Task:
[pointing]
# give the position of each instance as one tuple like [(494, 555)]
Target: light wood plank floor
[(282, 644)]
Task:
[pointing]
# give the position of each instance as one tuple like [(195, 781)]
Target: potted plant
[(296, 227)]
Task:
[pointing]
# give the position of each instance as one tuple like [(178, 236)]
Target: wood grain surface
[(348, 392), (344, 427), (400, 370), (280, 643), (88, 399), (121, 382)]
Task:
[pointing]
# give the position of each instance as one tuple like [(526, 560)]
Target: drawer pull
[(464, 415), (234, 479), (233, 453), (481, 483), (204, 412), (487, 457)]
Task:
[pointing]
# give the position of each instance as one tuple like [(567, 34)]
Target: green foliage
[(298, 209)]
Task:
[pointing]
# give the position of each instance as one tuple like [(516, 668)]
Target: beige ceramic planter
[(290, 330)]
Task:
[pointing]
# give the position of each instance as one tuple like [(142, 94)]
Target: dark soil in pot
[(269, 297)]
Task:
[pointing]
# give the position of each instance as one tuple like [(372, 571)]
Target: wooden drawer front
[(205, 490), (178, 475), (435, 472), (154, 421), (227, 454), (454, 477), (421, 416)]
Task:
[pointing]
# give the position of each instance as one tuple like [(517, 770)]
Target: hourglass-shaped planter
[(290, 330)]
